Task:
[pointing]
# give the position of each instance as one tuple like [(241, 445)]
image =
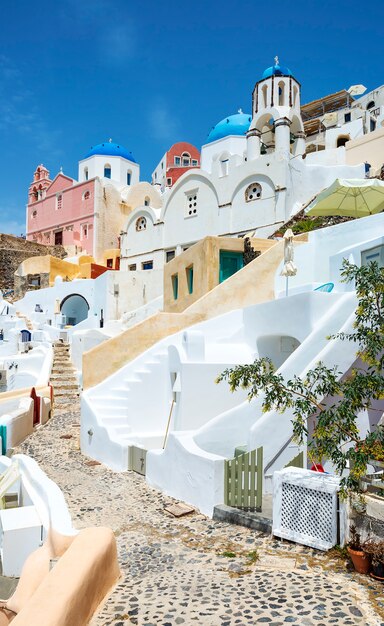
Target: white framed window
[(191, 203), (253, 192), (194, 162), (186, 159), (169, 182), (141, 223), (107, 171), (177, 160)]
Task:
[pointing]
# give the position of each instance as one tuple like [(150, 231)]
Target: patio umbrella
[(289, 268), (349, 198)]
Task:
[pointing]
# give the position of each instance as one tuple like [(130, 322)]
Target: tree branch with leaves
[(326, 398)]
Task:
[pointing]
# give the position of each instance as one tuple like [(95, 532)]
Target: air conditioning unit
[(306, 508)]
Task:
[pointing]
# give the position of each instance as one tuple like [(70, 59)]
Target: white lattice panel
[(305, 507)]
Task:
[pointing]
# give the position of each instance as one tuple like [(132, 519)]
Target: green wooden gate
[(298, 461), (243, 481)]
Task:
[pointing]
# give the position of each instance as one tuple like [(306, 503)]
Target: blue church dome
[(276, 70), (237, 124), (110, 149)]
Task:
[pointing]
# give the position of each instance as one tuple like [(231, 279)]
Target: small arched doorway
[(75, 308)]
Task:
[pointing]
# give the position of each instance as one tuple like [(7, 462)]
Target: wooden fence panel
[(243, 480)]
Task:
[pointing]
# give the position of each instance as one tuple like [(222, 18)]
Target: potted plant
[(375, 550), (360, 558)]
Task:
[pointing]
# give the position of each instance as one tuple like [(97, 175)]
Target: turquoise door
[(230, 263)]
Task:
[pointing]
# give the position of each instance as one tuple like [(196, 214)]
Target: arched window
[(265, 90), (141, 223), (185, 159), (146, 201), (281, 93), (295, 92), (107, 171), (253, 192), (34, 213), (85, 173), (86, 195), (129, 177), (342, 140), (371, 105)]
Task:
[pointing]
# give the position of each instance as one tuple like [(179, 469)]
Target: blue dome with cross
[(237, 124), (109, 148), (276, 70)]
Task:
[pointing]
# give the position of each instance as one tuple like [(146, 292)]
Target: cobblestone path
[(192, 570)]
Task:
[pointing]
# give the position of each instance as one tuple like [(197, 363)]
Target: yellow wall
[(111, 253), (48, 265), (204, 256), (369, 148), (251, 285)]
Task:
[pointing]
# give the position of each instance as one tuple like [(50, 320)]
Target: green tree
[(325, 398)]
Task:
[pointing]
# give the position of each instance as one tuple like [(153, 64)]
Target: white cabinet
[(21, 534)]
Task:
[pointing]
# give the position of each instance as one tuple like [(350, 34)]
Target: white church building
[(254, 175)]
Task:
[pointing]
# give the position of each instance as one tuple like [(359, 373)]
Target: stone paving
[(193, 570)]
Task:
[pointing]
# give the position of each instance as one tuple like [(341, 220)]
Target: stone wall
[(23, 284), (14, 250)]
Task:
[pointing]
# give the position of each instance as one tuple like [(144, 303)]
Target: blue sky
[(77, 72)]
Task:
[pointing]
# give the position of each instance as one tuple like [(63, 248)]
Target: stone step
[(69, 378), (67, 393), (65, 385)]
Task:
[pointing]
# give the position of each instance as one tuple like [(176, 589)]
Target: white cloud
[(163, 123), (118, 43), (19, 111)]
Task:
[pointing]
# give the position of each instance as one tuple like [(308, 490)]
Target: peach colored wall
[(70, 593), (74, 211), (204, 257)]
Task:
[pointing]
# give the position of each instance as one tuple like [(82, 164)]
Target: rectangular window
[(59, 238), (84, 231), (189, 271), (191, 204), (194, 162), (373, 254), (147, 265), (110, 263), (186, 161), (347, 117), (132, 268), (177, 160), (169, 182), (59, 201), (175, 286), (169, 255)]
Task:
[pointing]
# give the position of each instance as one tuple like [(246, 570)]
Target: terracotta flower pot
[(360, 560)]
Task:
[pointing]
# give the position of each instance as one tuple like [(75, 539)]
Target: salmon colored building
[(180, 158)]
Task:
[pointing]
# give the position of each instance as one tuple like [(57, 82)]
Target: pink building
[(84, 216)]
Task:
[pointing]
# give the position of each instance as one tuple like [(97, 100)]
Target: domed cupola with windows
[(110, 160), (276, 125)]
